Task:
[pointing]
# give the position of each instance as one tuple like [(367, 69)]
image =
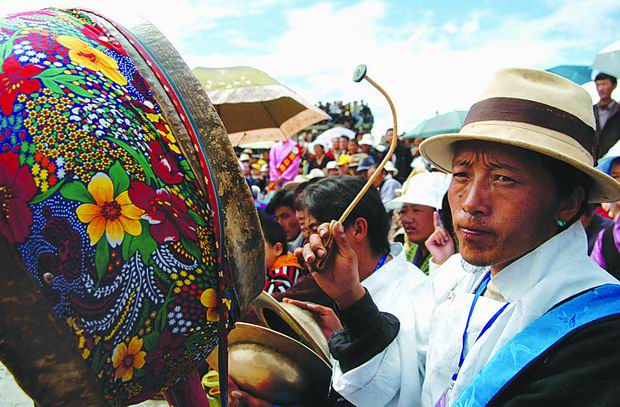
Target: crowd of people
[(354, 115), (465, 251)]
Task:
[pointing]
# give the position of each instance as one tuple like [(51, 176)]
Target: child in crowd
[(282, 267)]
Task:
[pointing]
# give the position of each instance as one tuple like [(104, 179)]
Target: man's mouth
[(475, 232)]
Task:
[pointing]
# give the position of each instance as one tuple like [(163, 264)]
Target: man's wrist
[(350, 297)]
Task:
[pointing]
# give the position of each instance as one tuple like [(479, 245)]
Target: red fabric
[(188, 393)]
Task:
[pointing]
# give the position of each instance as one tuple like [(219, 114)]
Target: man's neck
[(604, 103), (367, 262)]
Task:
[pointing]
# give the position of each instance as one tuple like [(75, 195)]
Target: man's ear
[(569, 207), (360, 229)]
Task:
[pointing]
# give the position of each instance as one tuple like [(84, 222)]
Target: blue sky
[(431, 56)]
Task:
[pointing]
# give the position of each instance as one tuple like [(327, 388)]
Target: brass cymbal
[(292, 321), (274, 367)]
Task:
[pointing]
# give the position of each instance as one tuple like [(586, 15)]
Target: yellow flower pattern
[(83, 54), (109, 214)]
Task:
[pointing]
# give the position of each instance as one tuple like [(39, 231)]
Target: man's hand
[(239, 398), (340, 277), (324, 316), (440, 244)]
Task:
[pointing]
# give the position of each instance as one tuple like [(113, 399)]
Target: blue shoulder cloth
[(538, 337)]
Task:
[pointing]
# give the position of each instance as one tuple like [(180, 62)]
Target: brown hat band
[(537, 114)]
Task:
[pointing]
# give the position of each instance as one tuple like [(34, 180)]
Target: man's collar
[(609, 106)]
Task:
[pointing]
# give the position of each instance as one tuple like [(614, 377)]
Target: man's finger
[(308, 254), (437, 220), (316, 245), (340, 237)]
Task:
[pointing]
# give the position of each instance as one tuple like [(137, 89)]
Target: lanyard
[(479, 291), (381, 262)]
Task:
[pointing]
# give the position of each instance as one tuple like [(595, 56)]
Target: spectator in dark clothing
[(402, 157), (320, 159), (593, 223), (606, 113)]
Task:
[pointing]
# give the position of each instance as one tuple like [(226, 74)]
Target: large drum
[(129, 241)]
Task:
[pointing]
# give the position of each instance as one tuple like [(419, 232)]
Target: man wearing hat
[(365, 164), (385, 182), (343, 164), (331, 169), (416, 207), (366, 145), (521, 316)]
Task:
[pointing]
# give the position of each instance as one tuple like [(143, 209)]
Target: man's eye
[(503, 178), (460, 175)]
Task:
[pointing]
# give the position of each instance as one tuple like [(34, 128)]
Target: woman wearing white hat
[(522, 316)]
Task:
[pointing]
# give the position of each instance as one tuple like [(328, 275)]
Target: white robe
[(533, 284), (389, 287)]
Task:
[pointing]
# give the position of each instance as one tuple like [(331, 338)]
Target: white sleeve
[(374, 383)]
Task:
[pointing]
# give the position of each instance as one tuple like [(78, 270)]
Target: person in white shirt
[(383, 269), (522, 316)]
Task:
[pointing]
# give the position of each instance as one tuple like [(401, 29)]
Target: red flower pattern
[(166, 213), (16, 79), (17, 188), (165, 164), (170, 347), (102, 37)]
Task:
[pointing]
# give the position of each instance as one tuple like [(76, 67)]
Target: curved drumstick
[(358, 75)]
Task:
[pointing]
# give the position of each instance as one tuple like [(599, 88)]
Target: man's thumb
[(340, 237)]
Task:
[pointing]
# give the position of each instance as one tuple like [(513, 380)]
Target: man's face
[(417, 220), (285, 216), (245, 168), (379, 180), (332, 172), (503, 202), (343, 143), (365, 148), (352, 147), (343, 169), (388, 136), (604, 87), (301, 218)]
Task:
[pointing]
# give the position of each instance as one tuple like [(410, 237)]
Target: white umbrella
[(326, 137), (608, 60)]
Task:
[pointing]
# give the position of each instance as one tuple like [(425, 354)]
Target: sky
[(430, 56)]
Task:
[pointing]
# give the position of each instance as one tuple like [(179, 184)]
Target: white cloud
[(427, 65)]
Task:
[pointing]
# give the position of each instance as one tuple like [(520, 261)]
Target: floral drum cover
[(102, 206)]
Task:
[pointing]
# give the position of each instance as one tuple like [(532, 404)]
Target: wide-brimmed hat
[(389, 167), (537, 111), (332, 165), (365, 164), (343, 159), (316, 173), (425, 188), (367, 140)]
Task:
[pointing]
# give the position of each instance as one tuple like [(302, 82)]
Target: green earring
[(561, 223)]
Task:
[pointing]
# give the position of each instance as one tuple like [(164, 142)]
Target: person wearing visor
[(521, 315), (418, 207)]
